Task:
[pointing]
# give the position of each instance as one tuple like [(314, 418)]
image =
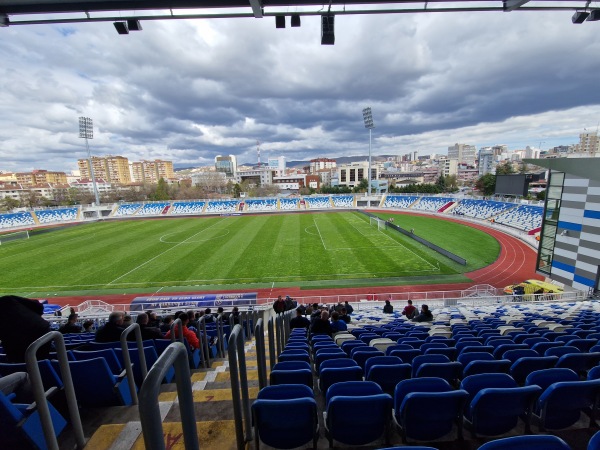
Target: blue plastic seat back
[(496, 341), (388, 376), (367, 348), (466, 358), (475, 383), (584, 345), (324, 344), (560, 405), (501, 349), (450, 352), (449, 371), (522, 367), (285, 424), (531, 341), (358, 420), (329, 351), (430, 415), (594, 373), (406, 356), (332, 375), (513, 355), (541, 347), (101, 392), (297, 346), (424, 359), (594, 443), (327, 356), (297, 376), (381, 360), (580, 363), (495, 411), (482, 348), (391, 348), (353, 388), (285, 392), (479, 367), (431, 384), (108, 354), (532, 442), (428, 345), (291, 365), (347, 346), (50, 377), (544, 378), (338, 362), (361, 357), (367, 337), (294, 357)]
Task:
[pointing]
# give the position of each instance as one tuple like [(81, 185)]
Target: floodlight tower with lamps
[(86, 131), (368, 118)]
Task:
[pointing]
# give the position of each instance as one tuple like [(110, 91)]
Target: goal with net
[(15, 236), (377, 222)]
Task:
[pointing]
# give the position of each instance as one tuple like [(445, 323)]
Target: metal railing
[(261, 355), (239, 385), (203, 338), (271, 332), (38, 389), (152, 429), (127, 358)]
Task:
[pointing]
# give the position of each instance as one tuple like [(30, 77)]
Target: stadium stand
[(267, 204), (343, 201), (152, 209), (524, 217), (16, 220), (288, 204), (481, 209), (399, 201), (191, 207), (128, 209), (57, 215), (318, 202), (432, 203), (222, 206)]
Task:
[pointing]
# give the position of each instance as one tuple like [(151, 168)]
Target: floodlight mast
[(86, 131), (368, 118)]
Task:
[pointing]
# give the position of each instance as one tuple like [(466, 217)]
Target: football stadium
[(251, 279)]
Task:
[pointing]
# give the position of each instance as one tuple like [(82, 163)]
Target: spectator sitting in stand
[(316, 313), (71, 325), (321, 325), (349, 308), (87, 326), (388, 308), (337, 324), (289, 303), (165, 326), (21, 323), (299, 321), (127, 320), (279, 305), (344, 316), (153, 320), (112, 330), (235, 314), (147, 331), (209, 318), (188, 334), (409, 310), (425, 315)]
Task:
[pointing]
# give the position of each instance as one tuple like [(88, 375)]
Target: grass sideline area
[(332, 249)]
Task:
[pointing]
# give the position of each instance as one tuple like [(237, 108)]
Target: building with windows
[(353, 173), (37, 177), (569, 249), (151, 171), (588, 143), (113, 169), (226, 164), (319, 164), (463, 153), (486, 161)]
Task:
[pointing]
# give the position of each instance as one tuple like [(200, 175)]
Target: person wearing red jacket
[(188, 334)]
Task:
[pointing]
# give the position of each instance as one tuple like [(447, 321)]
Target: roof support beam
[(511, 5), (257, 8)]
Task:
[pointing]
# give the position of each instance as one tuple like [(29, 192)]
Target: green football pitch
[(330, 249)]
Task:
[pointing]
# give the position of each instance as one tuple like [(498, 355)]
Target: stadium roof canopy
[(26, 12), (582, 167)]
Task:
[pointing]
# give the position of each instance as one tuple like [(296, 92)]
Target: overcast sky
[(188, 90)]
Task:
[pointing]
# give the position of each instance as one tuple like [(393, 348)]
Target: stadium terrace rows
[(495, 376), (523, 217)]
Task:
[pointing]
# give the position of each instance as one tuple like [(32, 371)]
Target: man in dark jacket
[(71, 325), (299, 321), (425, 315), (21, 323), (111, 332)]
